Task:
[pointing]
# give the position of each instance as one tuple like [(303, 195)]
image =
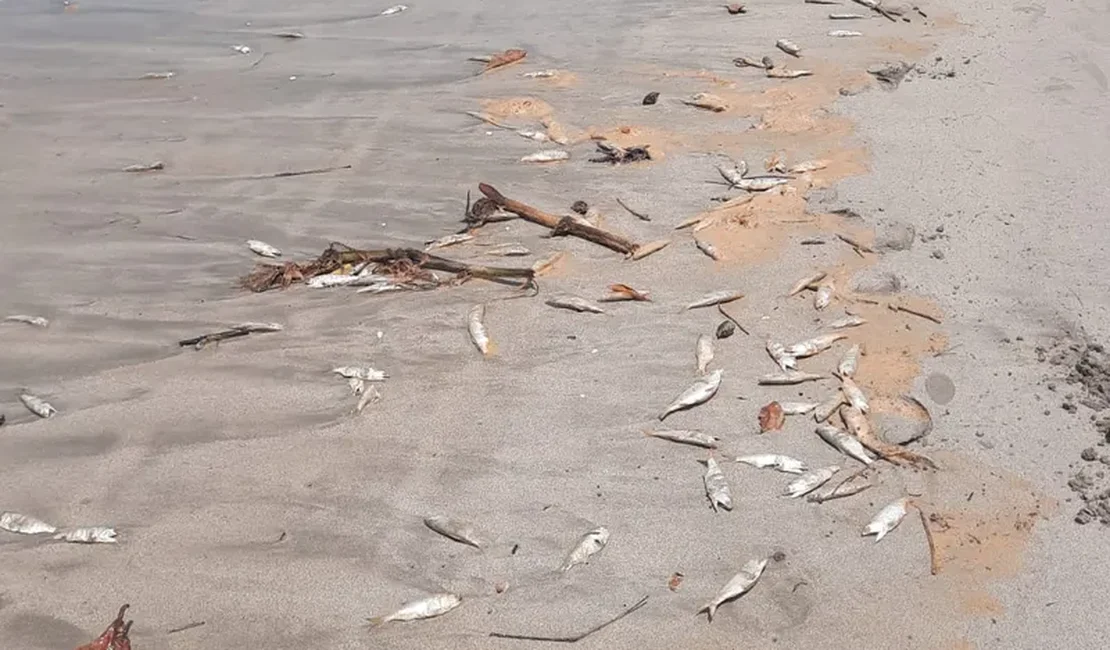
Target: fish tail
[(491, 348)]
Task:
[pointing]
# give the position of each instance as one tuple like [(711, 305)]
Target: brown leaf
[(504, 58), (736, 9), (771, 418), (115, 637), (675, 583), (625, 292)]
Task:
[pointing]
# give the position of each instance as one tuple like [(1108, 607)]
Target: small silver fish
[(761, 183), (806, 282), (242, 49), (329, 280), (259, 328), (590, 544), (844, 443), (807, 483), (709, 249), (703, 353), (459, 531), (854, 394), (797, 408), (477, 329), (574, 303), (699, 392), (37, 405), (825, 409), (545, 156), (509, 250), (89, 535), (843, 16), (158, 75), (849, 363), (263, 249), (846, 322), (887, 519), (870, 4), (779, 462), (37, 321), (449, 240), (839, 491), (735, 587), (807, 166), (716, 487), (733, 175), (363, 373), (715, 298), (643, 250), (370, 396), (289, 35), (429, 607), (844, 33), (815, 345), (707, 101), (779, 355), (746, 62), (548, 262), (395, 9), (783, 73), (138, 168), (824, 295), (696, 438), (13, 522), (540, 74), (531, 134), (358, 386), (788, 46), (789, 378)]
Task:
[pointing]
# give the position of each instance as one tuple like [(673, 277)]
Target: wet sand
[(248, 496)]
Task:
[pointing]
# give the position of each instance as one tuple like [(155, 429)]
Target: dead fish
[(547, 155), (854, 394), (761, 183), (89, 535), (699, 392), (371, 396), (158, 75), (453, 529), (735, 587), (779, 462), (887, 519), (839, 491), (643, 250), (365, 374), (807, 483), (707, 101), (789, 378), (37, 321), (429, 607), (590, 544), (330, 280), (696, 438), (242, 49), (155, 166), (797, 408), (13, 522), (788, 46), (547, 263), (509, 250), (807, 166), (574, 303), (846, 322), (716, 487), (357, 386), (783, 73), (623, 292), (502, 59), (703, 353), (844, 443), (844, 33), (846, 16), (824, 295), (813, 346), (825, 409), (709, 249), (477, 329), (37, 405), (715, 298), (849, 362), (746, 62), (259, 328), (733, 175), (263, 249), (779, 355), (289, 35), (449, 240), (395, 9), (540, 74), (806, 282)]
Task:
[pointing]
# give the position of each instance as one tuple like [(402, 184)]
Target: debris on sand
[(37, 405), (650, 99), (735, 9), (737, 586), (263, 249), (788, 46), (708, 101), (890, 75), (430, 607), (155, 166), (614, 155), (502, 59), (243, 329), (115, 637), (575, 638), (771, 417), (700, 392), (623, 292), (37, 321), (589, 544)]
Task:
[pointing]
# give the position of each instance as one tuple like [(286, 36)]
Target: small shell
[(263, 249), (89, 535), (887, 519)]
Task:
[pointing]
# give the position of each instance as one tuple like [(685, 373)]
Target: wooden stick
[(560, 225), (919, 314), (638, 215), (735, 322), (185, 627), (934, 561), (204, 339), (575, 638), (913, 401)]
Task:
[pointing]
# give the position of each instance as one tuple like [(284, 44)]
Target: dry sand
[(246, 494)]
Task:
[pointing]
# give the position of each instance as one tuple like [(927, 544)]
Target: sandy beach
[(247, 493)]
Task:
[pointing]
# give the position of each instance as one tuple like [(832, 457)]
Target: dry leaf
[(771, 418), (625, 292), (675, 582), (115, 637), (505, 58)]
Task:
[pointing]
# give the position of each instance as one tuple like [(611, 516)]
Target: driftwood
[(560, 225), (573, 638), (402, 262)]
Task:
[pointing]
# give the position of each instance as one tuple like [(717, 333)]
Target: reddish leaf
[(771, 418)]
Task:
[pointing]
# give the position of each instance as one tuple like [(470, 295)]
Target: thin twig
[(735, 322), (934, 561), (255, 64), (306, 172), (185, 627), (576, 637), (638, 215), (914, 312), (928, 417)]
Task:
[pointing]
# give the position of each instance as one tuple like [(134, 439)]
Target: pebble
[(938, 254), (1089, 454)]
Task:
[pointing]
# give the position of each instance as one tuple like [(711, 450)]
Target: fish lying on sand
[(843, 442), (263, 249), (698, 393), (715, 298), (779, 462), (735, 587), (696, 438), (477, 329), (429, 607), (788, 46), (807, 483), (89, 535), (573, 303), (589, 544), (789, 378), (887, 519), (13, 522), (815, 345), (37, 405), (849, 362), (545, 156), (703, 353), (37, 321), (359, 372), (716, 487), (453, 529)]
